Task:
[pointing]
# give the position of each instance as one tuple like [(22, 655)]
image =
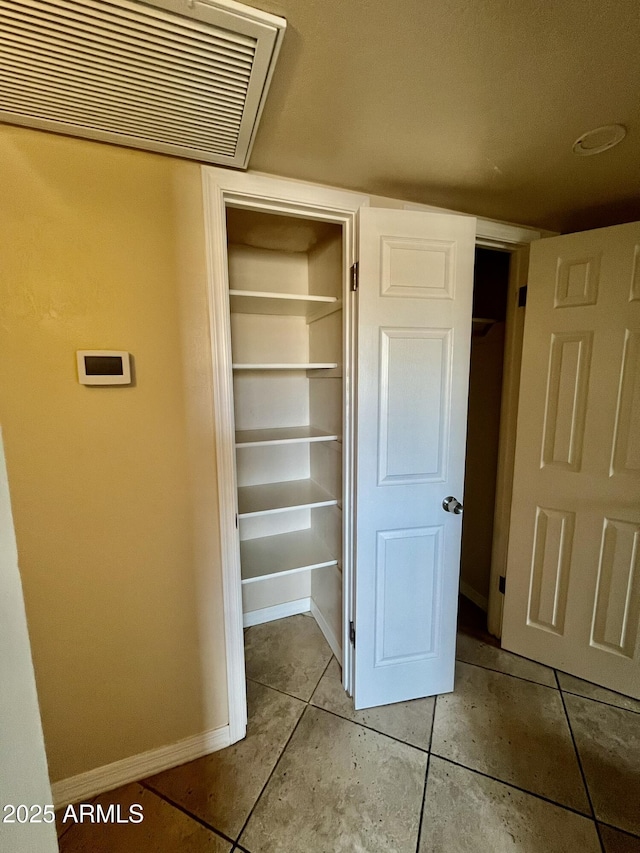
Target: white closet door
[(573, 581), (414, 332)]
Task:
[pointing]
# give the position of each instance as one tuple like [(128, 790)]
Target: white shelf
[(328, 373), (282, 435), (270, 498), (306, 366), (284, 554), (288, 304)]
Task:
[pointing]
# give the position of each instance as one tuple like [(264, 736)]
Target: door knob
[(452, 504)]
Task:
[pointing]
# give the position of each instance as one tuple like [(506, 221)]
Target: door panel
[(573, 584), (626, 444), (414, 331), (414, 419)]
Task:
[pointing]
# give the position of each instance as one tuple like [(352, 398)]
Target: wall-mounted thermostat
[(103, 367)]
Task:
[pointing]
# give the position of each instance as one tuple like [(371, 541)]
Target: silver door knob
[(452, 504)]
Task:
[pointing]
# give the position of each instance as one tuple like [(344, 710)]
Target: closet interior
[(285, 297), (490, 293)]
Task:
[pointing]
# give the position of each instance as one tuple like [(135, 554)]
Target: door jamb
[(514, 332), (512, 356), (222, 187)]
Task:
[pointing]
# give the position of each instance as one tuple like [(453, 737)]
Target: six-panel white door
[(414, 331), (573, 580)]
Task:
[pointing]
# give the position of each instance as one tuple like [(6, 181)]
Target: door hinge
[(501, 583), (352, 633), (354, 275), (236, 521), (522, 296)]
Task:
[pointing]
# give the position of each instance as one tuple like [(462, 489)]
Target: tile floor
[(517, 758)]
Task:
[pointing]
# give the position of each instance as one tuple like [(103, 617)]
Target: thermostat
[(103, 367)]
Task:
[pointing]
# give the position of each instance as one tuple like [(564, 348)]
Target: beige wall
[(113, 489)]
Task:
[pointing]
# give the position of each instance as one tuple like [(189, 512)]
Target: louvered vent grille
[(191, 84)]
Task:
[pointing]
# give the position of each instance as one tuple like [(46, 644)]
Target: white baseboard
[(278, 611), (330, 637), (110, 776), (470, 593)]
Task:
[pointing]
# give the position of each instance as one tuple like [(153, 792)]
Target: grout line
[(498, 647), (433, 721), (599, 701), (370, 728), (291, 695), (185, 811), (259, 797), (531, 681), (510, 674), (512, 785), (599, 686), (320, 679), (582, 773), (282, 692), (618, 829), (426, 776), (424, 797)]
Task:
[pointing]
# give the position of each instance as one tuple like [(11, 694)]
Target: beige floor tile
[(618, 842), (163, 829), (339, 788), (468, 813), (406, 721), (511, 729), (571, 684), (222, 788), (608, 741), (472, 650), (289, 654)]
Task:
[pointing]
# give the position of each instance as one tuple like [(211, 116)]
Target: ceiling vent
[(182, 77)]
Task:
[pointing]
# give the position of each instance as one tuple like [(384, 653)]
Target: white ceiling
[(468, 104)]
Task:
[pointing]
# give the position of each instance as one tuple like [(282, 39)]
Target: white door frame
[(512, 358), (222, 188)]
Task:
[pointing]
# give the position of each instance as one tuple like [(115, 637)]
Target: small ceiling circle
[(598, 140)]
